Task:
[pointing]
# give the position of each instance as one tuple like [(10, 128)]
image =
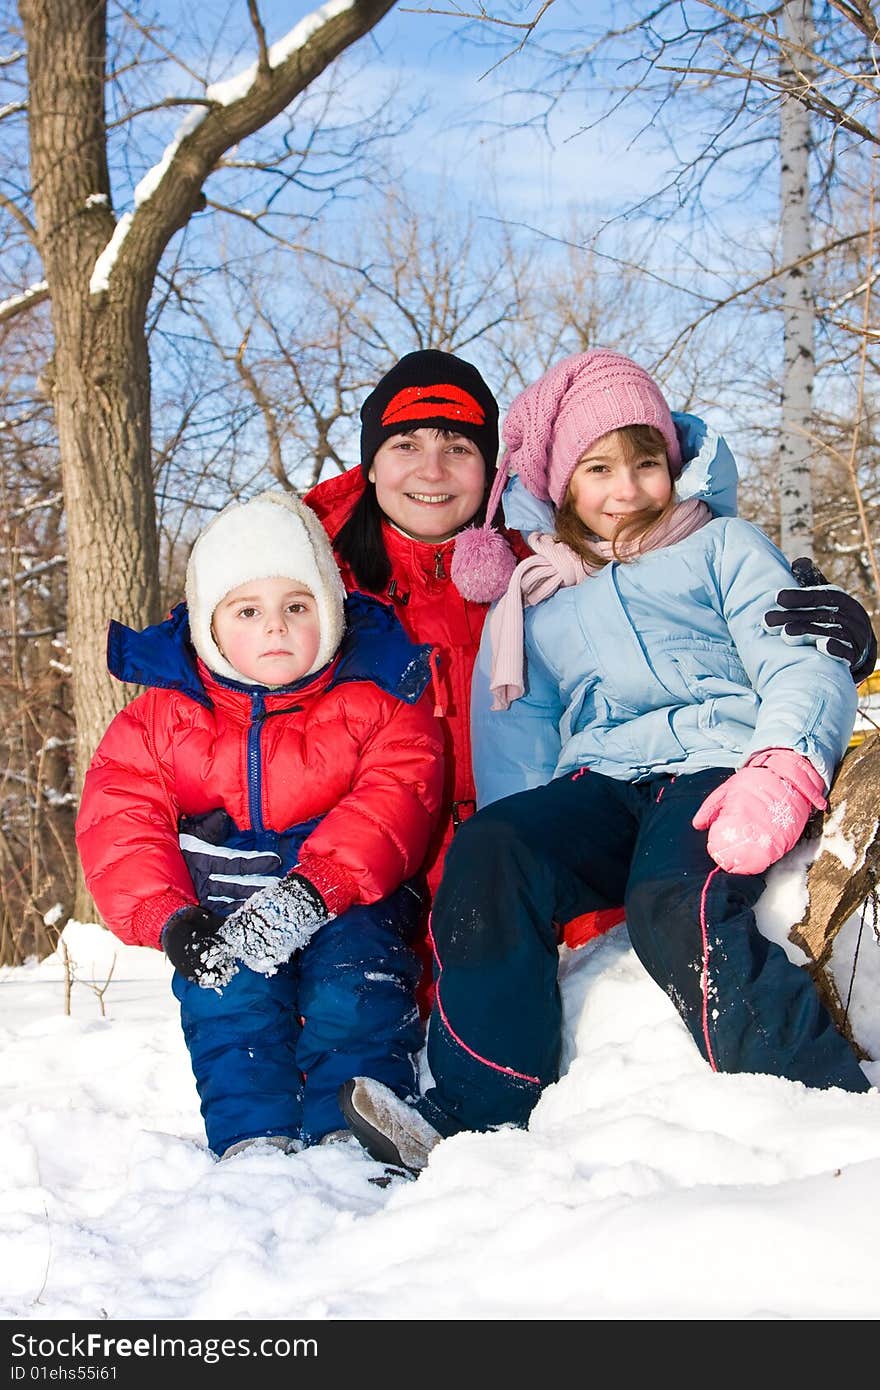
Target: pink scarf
[(554, 566)]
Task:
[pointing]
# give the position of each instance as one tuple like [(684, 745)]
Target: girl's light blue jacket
[(662, 664)]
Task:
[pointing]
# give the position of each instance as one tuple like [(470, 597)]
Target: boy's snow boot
[(391, 1131), (337, 1136), (265, 1141)]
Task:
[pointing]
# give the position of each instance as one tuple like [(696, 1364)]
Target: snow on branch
[(234, 88), (145, 189), (219, 94), (107, 259), (19, 303)]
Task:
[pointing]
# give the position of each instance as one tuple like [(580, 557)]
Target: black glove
[(820, 612), (189, 940), (277, 921)]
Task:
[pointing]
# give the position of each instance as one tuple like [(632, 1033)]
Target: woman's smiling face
[(429, 483)]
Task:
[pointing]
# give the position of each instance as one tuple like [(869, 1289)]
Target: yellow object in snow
[(868, 713)]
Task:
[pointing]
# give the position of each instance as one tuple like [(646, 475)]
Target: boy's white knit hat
[(272, 536)]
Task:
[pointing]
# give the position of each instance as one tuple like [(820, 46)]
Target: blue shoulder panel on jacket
[(524, 513), (376, 648), (161, 655)]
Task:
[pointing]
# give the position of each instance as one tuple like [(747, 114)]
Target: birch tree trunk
[(796, 444), (101, 376)]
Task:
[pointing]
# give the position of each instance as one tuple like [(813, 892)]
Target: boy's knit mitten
[(759, 814), (226, 877), (266, 930), (820, 612), (191, 943)]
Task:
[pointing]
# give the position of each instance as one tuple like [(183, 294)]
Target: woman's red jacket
[(431, 609)]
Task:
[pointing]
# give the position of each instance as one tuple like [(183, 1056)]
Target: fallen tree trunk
[(844, 874)]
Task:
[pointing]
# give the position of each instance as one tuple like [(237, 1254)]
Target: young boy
[(283, 733)]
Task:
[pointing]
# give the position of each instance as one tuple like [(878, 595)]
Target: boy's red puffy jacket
[(432, 610), (357, 746)]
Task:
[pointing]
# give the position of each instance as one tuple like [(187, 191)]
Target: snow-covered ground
[(645, 1187)]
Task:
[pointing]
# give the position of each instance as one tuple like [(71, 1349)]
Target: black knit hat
[(434, 390)]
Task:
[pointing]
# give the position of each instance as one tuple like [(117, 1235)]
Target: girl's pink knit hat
[(548, 428)]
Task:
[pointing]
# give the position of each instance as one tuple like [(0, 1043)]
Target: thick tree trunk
[(796, 445), (102, 405), (101, 366)]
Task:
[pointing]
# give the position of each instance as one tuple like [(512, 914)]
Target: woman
[(429, 441)]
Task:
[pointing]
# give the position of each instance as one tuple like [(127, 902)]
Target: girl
[(674, 750)]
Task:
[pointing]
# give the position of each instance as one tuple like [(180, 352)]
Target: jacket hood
[(334, 500), (708, 472), (375, 648)]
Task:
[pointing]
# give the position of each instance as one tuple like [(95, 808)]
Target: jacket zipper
[(393, 593), (255, 780), (440, 706)]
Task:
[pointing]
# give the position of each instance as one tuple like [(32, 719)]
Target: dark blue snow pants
[(584, 842), (269, 1053)]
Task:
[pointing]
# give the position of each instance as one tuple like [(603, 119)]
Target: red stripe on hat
[(443, 401)]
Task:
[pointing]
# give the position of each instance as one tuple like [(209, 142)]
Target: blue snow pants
[(269, 1053), (583, 842)]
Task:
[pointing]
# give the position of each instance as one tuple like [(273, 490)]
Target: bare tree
[(100, 273), (796, 451), (298, 372)]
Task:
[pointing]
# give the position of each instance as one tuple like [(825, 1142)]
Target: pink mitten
[(759, 814)]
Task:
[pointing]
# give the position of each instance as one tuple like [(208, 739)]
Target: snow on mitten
[(759, 814), (190, 941), (276, 921)]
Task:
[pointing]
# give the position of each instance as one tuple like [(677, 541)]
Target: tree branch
[(23, 303), (21, 218), (172, 192), (263, 64)]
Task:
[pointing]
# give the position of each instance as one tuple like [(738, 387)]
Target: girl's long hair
[(635, 439), (360, 543)]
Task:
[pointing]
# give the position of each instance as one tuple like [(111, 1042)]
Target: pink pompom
[(482, 564)]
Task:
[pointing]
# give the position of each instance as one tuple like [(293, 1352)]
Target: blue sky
[(469, 147), (471, 132)]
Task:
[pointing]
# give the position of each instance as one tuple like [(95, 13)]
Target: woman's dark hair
[(361, 546), (360, 543)]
